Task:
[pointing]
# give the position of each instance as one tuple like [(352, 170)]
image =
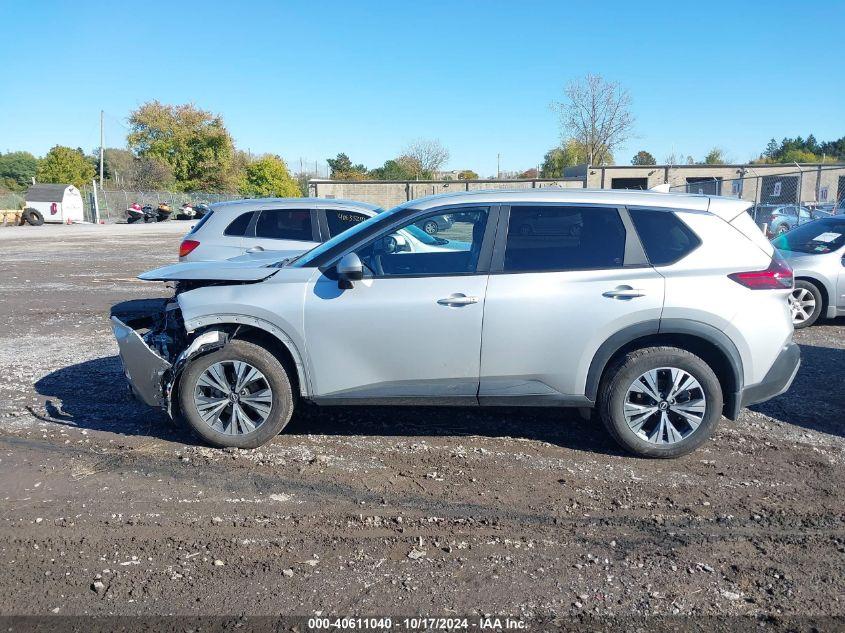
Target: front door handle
[(457, 299), (623, 292)]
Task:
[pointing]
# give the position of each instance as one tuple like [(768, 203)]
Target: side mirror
[(349, 269)]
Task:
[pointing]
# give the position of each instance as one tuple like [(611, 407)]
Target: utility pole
[(498, 166), (101, 149)]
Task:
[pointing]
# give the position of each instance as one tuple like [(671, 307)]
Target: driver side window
[(410, 251)]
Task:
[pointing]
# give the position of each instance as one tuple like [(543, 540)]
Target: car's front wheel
[(805, 303), (431, 227), (237, 396), (660, 401), (783, 228)]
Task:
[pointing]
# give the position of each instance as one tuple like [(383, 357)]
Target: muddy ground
[(107, 508)]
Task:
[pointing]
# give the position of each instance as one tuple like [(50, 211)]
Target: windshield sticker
[(827, 237)]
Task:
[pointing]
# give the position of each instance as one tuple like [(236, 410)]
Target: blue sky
[(313, 79)]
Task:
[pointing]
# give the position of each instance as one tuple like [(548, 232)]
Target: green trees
[(401, 168), (801, 150), (467, 174), (268, 177), (65, 165), (194, 143), (643, 158), (125, 169), (343, 169), (17, 170), (715, 156), (571, 153)]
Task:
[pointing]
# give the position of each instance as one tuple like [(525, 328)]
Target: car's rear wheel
[(660, 401), (805, 303), (238, 396), (783, 228)]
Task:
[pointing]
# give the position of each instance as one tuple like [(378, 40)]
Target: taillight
[(186, 247), (54, 209), (777, 276)]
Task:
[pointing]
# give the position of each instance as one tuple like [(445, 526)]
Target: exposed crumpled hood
[(266, 257), (247, 267), (212, 271)]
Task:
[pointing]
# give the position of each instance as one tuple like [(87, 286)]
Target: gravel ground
[(108, 508)]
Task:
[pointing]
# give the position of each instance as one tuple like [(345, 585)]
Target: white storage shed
[(56, 203)]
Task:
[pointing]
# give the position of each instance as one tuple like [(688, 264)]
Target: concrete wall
[(388, 194), (750, 182)]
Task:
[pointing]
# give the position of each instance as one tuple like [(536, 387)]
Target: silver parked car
[(816, 253), (229, 229), (648, 311), (782, 218)]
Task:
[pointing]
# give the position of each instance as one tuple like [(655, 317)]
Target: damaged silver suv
[(645, 306)]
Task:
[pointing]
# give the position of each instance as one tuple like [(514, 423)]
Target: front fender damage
[(154, 349)]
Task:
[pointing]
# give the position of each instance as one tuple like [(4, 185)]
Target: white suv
[(662, 311)]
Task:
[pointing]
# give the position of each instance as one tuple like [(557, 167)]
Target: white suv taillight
[(778, 276)]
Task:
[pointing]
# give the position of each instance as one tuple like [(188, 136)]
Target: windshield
[(350, 234), (817, 238)]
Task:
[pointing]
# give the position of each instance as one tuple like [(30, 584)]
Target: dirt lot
[(107, 508)]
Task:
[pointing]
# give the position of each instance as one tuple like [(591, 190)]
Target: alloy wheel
[(665, 405), (233, 397), (803, 304)]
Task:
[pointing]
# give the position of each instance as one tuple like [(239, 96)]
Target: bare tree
[(596, 113), (428, 155)]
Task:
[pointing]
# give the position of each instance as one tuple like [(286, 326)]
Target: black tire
[(783, 228), (281, 408), (625, 370), (33, 217), (430, 227), (817, 310)]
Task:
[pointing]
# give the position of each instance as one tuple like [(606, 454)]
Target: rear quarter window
[(238, 226), (664, 236), (339, 220)]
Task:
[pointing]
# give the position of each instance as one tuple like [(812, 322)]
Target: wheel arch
[(707, 342), (265, 334)]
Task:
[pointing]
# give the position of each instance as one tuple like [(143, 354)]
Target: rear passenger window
[(664, 236), (284, 224), (564, 238), (238, 226), (339, 220)]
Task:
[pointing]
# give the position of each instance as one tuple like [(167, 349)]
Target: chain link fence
[(782, 200), (114, 202), (11, 200)]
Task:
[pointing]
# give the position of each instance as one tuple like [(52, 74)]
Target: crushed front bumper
[(144, 368)]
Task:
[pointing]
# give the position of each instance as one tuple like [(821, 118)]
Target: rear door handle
[(623, 292), (457, 299), (255, 249)]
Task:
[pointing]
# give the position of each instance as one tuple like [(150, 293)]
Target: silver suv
[(662, 311)]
